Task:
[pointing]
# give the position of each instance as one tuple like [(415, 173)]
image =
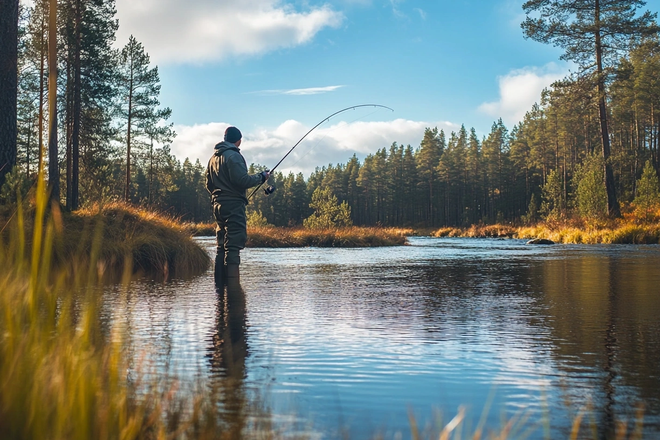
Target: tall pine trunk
[(53, 165), (75, 141), (42, 72), (613, 208), (127, 194), (8, 85)]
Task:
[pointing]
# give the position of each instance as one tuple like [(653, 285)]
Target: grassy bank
[(152, 243), (627, 230), (342, 237)]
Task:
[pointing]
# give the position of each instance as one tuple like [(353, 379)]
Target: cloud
[(181, 31), (295, 92), (520, 89), (330, 144), (422, 13)]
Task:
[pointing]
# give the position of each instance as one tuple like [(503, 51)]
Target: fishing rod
[(271, 188)]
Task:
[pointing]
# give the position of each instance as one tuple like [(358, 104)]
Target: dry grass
[(155, 244), (476, 231), (631, 229), (341, 237)]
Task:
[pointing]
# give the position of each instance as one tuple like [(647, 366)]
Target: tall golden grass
[(340, 237), (630, 229), (61, 375)]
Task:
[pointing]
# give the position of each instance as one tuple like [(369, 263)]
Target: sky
[(276, 68)]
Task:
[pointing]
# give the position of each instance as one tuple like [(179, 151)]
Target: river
[(335, 343)]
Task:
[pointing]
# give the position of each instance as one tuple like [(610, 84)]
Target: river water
[(336, 343)]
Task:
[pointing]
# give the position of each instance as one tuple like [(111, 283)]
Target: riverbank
[(278, 237), (627, 230), (116, 235)]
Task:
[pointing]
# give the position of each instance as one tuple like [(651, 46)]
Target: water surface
[(353, 341)]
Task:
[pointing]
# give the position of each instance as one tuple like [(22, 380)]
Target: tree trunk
[(613, 208), (68, 128), (53, 165), (127, 194), (8, 85), (75, 141), (42, 70)]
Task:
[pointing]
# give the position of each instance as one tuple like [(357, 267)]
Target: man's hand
[(265, 175)]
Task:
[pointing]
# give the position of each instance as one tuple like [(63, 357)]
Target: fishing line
[(311, 130), (310, 149)]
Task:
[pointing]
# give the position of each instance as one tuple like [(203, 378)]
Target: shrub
[(591, 197), (552, 196), (647, 195), (328, 213), (255, 219)]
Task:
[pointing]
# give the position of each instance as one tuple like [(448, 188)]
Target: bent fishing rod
[(353, 107)]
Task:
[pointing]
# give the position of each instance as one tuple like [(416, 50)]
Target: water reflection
[(228, 351), (605, 310)]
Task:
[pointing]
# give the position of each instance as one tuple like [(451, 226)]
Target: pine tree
[(427, 159), (328, 212), (139, 91), (552, 203), (591, 197), (648, 192)]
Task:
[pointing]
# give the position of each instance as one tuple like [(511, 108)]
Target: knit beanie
[(233, 135)]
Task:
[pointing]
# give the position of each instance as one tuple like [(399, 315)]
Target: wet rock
[(540, 241)]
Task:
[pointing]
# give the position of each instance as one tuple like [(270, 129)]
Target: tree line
[(90, 114)]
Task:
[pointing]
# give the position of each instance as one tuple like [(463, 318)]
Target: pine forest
[(112, 135)]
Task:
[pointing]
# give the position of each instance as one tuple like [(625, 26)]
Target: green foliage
[(590, 195), (16, 185), (255, 219), (648, 191), (328, 212), (552, 196), (532, 211)]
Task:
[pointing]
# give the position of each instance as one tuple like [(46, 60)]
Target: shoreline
[(622, 231)]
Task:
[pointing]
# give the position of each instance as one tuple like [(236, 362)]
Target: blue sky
[(276, 68)]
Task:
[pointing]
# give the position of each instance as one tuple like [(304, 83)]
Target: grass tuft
[(154, 244)]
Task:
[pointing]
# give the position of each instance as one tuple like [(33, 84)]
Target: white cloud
[(330, 144), (307, 91), (520, 89), (202, 30)]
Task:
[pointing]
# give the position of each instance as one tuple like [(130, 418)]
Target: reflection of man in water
[(227, 179), (228, 352)]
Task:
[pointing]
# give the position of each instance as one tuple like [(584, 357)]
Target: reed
[(61, 377)]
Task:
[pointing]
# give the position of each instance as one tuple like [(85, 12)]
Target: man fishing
[(227, 180)]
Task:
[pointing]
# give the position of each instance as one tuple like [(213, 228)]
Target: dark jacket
[(227, 177)]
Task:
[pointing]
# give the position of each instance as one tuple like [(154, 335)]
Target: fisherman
[(227, 179)]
